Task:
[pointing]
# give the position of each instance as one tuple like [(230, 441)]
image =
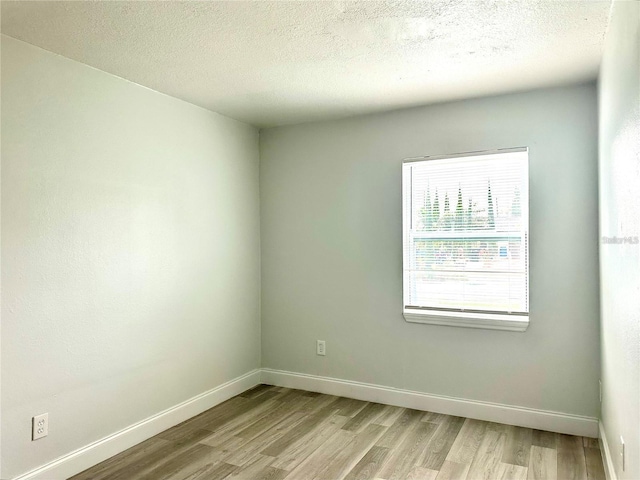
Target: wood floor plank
[(408, 453), (388, 416), (320, 403), (275, 416), (217, 420), (486, 462), (189, 461), (230, 445), (571, 460), (365, 416), (351, 454), (195, 436), (400, 428), (183, 430), (239, 422), (518, 446), (311, 394), (251, 447), (508, 471), (310, 466), (288, 394), (270, 473), (349, 407), (543, 464), (256, 391), (305, 428), (268, 395), (136, 469), (137, 453), (595, 468), (224, 408), (441, 442), (467, 441), (219, 471), (421, 473), (222, 412), (252, 468), (296, 452), (273, 433), (544, 439), (434, 417), (590, 442), (453, 471), (369, 465), (497, 427)]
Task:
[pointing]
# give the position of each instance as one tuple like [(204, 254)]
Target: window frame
[(517, 322)]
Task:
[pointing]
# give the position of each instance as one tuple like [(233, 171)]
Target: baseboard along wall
[(607, 460), (492, 412), (94, 453)]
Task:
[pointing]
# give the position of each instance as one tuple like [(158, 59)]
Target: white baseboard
[(607, 461), (85, 457), (493, 412), (94, 453)]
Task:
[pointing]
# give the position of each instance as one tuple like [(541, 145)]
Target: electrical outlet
[(622, 452), (600, 387), (321, 348), (40, 426)]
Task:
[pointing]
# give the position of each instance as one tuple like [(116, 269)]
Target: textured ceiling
[(272, 63)]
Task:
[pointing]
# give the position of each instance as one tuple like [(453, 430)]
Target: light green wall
[(620, 217), (130, 253), (332, 253)]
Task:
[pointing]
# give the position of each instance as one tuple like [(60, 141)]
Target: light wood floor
[(277, 433)]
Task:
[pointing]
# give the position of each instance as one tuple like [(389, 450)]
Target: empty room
[(268, 240)]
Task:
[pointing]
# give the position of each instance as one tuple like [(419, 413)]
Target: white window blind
[(465, 233)]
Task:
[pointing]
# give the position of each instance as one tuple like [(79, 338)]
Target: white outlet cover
[(600, 389), (321, 347), (40, 426)]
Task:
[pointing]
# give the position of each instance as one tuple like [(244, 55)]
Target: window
[(466, 239)]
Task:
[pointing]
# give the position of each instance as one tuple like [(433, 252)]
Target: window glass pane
[(466, 233)]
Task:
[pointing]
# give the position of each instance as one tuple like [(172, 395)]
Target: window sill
[(490, 321)]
